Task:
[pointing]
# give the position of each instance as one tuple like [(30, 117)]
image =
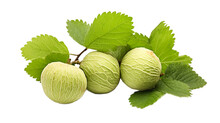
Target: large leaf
[(184, 73), (108, 31), (162, 42), (78, 29), (41, 46), (142, 99), (175, 87)]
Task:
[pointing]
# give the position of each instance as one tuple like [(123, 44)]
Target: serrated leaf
[(139, 40), (119, 52), (108, 31), (35, 67), (174, 87), (184, 73), (41, 46), (162, 42), (142, 99), (78, 29)]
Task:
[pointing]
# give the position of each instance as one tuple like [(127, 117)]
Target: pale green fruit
[(102, 72), (140, 69), (63, 83)]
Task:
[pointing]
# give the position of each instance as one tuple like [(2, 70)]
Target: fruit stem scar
[(68, 61)]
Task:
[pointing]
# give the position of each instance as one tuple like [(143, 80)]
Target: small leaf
[(162, 42), (108, 31), (174, 87), (78, 29), (139, 40), (35, 68), (184, 73), (41, 46), (119, 52), (142, 99)]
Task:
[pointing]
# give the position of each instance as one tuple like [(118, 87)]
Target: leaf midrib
[(105, 34)]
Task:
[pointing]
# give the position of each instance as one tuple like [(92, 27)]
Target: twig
[(73, 54), (77, 58), (76, 62)]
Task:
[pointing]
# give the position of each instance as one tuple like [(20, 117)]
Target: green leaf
[(139, 40), (142, 99), (175, 87), (78, 29), (119, 52), (35, 67), (108, 31), (162, 42), (183, 72), (41, 46)]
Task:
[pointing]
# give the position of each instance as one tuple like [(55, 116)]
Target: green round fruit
[(63, 83), (140, 69), (102, 72)]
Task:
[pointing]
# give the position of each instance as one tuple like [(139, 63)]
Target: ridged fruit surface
[(102, 72), (140, 69), (63, 83)]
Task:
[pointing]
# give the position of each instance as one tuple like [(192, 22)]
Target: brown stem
[(76, 62), (73, 54), (162, 74), (77, 58)]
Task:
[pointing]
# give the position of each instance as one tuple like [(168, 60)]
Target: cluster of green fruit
[(100, 73), (149, 65)]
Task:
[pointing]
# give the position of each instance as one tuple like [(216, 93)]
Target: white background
[(197, 30)]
